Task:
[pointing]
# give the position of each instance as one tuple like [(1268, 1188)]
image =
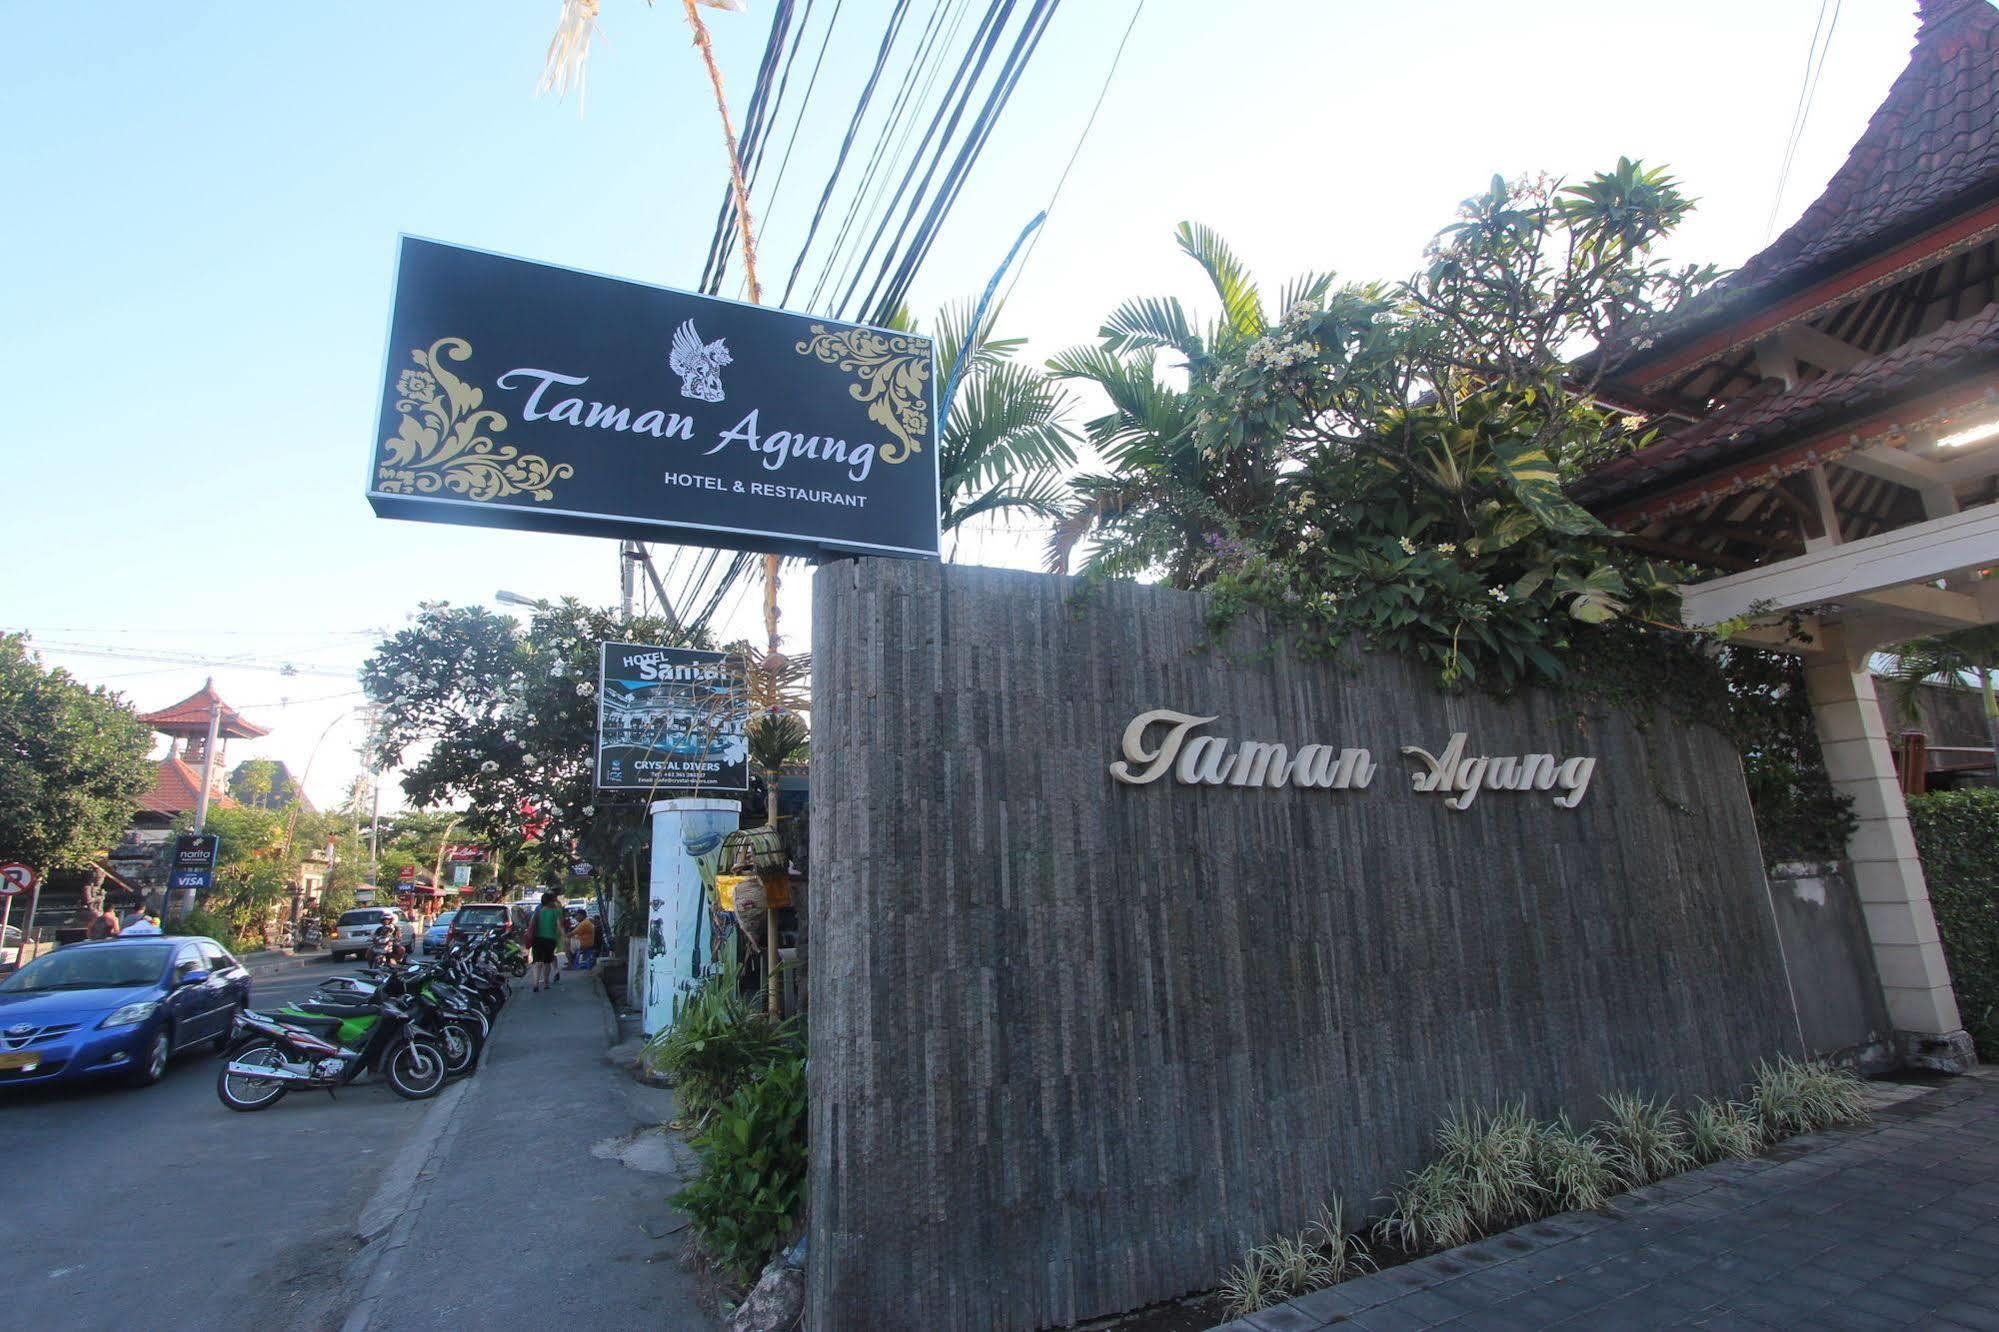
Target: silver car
[(354, 932)]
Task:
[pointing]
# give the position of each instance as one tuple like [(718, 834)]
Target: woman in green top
[(545, 936)]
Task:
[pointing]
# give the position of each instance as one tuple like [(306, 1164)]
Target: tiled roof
[(177, 790), (190, 717), (1931, 148), (1769, 414)]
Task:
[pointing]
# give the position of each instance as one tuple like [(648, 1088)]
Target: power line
[(847, 143), (1807, 89), (1117, 58), (927, 57)]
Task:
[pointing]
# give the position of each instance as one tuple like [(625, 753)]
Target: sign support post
[(15, 879)]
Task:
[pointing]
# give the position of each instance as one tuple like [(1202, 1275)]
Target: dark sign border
[(573, 522)]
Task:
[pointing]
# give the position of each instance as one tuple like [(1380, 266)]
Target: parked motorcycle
[(441, 1011), (268, 1058)]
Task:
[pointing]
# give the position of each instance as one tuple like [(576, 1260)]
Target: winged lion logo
[(699, 364)]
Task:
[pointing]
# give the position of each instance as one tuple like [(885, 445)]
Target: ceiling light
[(1977, 434)]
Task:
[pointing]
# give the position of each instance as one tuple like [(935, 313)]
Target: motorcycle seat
[(338, 1010), (318, 1025)]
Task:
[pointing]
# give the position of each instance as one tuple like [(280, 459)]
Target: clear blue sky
[(203, 199)]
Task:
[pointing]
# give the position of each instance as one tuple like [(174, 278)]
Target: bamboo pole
[(746, 231)]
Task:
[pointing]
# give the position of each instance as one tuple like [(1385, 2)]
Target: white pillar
[(1887, 873), (677, 928)]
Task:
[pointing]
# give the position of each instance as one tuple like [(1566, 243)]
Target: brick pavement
[(1890, 1224)]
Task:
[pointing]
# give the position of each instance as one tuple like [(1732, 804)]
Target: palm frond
[(1039, 497), (1242, 303), (1151, 322)]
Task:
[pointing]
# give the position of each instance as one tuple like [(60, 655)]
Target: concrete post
[(677, 929), (1887, 873)]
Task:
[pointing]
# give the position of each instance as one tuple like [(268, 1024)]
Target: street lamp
[(507, 598)]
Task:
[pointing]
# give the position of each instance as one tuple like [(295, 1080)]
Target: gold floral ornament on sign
[(439, 444), (894, 372)]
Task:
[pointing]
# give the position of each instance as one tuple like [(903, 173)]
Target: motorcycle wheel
[(416, 1069), (517, 968), (239, 1092), (461, 1048)]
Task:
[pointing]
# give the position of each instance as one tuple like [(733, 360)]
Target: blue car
[(117, 1007), (438, 934)]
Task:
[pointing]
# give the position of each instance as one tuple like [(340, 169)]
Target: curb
[(612, 1030), (279, 963), (386, 1223)]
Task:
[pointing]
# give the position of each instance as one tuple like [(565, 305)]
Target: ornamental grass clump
[(1495, 1156), (1321, 1255), (1647, 1139), (1576, 1171), (1484, 1180), (1791, 1097), (1723, 1130)]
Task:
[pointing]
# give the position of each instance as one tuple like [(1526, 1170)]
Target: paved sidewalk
[(507, 1207), (1893, 1224)]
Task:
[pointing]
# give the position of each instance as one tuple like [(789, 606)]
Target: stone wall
[(1824, 934), (1076, 1044)]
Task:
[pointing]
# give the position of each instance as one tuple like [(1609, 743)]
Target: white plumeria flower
[(1446, 548), (489, 766), (1499, 595), (589, 810), (1408, 546), (584, 689)]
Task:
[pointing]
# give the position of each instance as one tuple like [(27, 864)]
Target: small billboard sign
[(670, 719), (193, 864)]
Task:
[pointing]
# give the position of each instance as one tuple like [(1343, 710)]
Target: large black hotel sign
[(522, 395)]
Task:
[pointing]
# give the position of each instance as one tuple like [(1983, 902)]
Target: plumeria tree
[(1388, 461), (501, 720)]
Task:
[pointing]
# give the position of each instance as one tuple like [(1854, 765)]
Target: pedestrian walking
[(585, 937), (569, 942), (105, 924), (546, 925)]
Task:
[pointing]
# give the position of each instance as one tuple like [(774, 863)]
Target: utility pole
[(208, 757), (629, 553), (437, 868), (201, 800)]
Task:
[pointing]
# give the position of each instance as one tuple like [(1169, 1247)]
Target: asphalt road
[(159, 1208)]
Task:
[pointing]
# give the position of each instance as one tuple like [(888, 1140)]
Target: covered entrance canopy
[(1829, 447)]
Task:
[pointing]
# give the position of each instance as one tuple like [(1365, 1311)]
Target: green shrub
[(1956, 832), (208, 923), (747, 1198), (1789, 1097), (1723, 1130), (719, 1042)]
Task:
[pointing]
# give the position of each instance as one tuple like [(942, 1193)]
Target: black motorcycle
[(269, 1057)]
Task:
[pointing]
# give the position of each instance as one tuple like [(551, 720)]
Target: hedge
[(1958, 835)]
